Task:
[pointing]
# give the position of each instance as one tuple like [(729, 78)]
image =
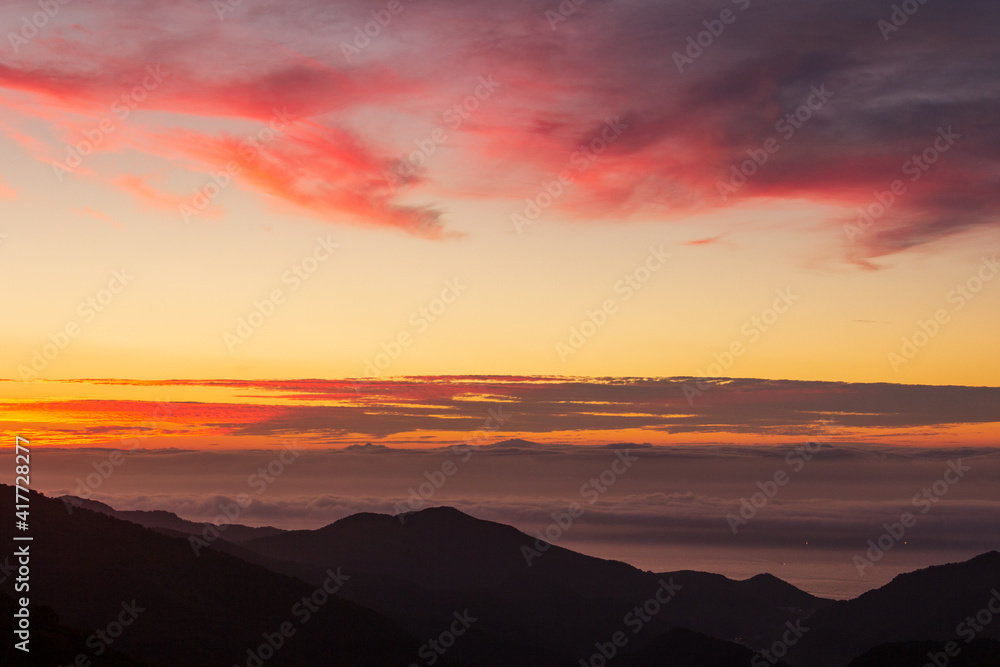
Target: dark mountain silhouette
[(421, 566), (513, 443), (208, 609), (927, 604), (770, 585), (438, 582), (163, 520), (977, 653), (680, 647), (52, 643)]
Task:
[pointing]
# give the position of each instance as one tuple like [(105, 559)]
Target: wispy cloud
[(686, 129)]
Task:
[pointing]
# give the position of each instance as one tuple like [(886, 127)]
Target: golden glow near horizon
[(437, 412), (524, 305)]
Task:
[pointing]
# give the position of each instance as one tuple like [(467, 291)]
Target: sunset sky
[(367, 214), (431, 412), (704, 231)]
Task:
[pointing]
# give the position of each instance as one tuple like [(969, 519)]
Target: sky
[(787, 191), (524, 238)]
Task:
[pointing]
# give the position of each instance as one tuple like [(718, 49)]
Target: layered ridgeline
[(121, 587), (441, 587)]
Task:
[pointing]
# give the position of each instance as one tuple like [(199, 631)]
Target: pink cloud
[(98, 215), (687, 129), (7, 192)]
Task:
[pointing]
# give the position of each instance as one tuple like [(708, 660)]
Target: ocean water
[(822, 572)]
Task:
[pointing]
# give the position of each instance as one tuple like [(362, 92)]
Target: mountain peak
[(439, 514), (93, 505), (367, 447), (513, 443)]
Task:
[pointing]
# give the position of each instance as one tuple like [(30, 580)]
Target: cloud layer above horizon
[(482, 411)]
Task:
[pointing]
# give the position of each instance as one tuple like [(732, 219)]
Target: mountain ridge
[(411, 572)]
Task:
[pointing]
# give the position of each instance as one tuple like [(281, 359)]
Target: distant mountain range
[(168, 521), (439, 587)]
